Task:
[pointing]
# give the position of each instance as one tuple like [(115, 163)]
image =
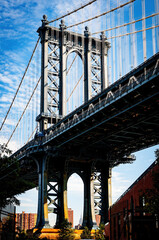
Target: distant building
[(25, 221), (127, 217), (98, 217), (70, 216)]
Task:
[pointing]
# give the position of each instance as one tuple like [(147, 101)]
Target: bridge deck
[(122, 119)]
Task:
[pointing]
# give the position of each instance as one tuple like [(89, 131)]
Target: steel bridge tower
[(56, 45)]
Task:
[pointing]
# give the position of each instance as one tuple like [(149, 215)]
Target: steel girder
[(52, 192)]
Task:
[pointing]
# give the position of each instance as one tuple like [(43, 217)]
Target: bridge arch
[(74, 80), (75, 193), (77, 51)]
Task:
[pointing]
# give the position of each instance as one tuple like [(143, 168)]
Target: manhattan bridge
[(89, 103)]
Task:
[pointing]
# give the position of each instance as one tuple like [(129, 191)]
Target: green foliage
[(86, 234), (10, 181), (66, 233), (99, 233), (8, 226), (21, 235)]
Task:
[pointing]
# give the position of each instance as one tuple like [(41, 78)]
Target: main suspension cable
[(20, 84), (126, 24), (102, 14), (126, 34), (75, 10), (23, 111)]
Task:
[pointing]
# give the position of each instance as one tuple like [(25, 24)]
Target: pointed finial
[(62, 25), (44, 20), (86, 32)]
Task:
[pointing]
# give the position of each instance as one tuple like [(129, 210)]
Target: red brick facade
[(127, 220), (70, 215), (25, 221)]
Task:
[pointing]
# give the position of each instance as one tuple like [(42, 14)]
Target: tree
[(11, 182), (66, 233), (99, 233), (86, 234), (22, 235)]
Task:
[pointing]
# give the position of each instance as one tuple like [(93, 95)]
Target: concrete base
[(51, 233)]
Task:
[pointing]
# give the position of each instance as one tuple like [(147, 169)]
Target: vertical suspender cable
[(131, 39), (135, 41), (114, 41), (144, 32), (153, 37), (157, 23), (133, 36), (124, 50), (120, 51), (119, 43), (32, 102), (109, 55)]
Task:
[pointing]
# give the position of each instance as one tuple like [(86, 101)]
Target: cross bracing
[(114, 70), (120, 92), (114, 121)]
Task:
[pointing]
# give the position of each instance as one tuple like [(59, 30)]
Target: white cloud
[(27, 205), (75, 184), (119, 185), (5, 79), (25, 199)]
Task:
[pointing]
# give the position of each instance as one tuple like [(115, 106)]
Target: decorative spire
[(86, 32), (44, 20), (62, 25)]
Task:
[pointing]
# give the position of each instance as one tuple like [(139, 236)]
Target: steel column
[(43, 32), (104, 194), (87, 214), (87, 65), (104, 69), (42, 214), (63, 70), (62, 211)]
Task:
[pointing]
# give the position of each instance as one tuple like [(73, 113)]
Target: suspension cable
[(23, 111), (20, 83), (74, 88), (126, 34), (126, 24), (102, 14), (71, 64), (75, 10), (32, 134)]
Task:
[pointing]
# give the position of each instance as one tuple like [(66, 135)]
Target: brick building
[(25, 221), (127, 217), (98, 217), (70, 216)]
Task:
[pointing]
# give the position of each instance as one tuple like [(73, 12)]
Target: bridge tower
[(56, 45)]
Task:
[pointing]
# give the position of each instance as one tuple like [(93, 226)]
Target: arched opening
[(74, 82), (75, 197)]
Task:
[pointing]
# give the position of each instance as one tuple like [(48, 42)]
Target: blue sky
[(19, 21)]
